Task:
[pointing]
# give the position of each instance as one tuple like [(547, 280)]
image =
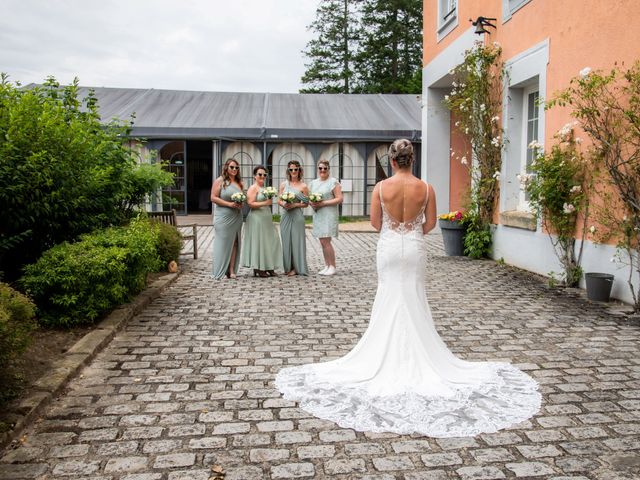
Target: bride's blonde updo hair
[(402, 152)]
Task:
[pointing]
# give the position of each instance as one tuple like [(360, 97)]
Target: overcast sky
[(213, 45)]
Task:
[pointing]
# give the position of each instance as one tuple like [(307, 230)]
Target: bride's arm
[(376, 209), (431, 215)]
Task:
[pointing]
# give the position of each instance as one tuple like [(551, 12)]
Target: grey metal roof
[(184, 114)]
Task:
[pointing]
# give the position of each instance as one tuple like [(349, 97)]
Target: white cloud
[(241, 45)]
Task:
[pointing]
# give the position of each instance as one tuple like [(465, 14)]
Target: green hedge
[(16, 324), (76, 283)]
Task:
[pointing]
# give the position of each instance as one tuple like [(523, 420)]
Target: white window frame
[(523, 70), (509, 7), (523, 202), (448, 8)]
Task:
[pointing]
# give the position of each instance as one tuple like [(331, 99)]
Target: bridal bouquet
[(269, 192), (315, 197), (238, 197), (288, 197)]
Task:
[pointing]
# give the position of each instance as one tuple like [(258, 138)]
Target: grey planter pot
[(452, 237), (598, 286)]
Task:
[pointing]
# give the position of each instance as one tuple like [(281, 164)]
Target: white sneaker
[(331, 270), (324, 270)]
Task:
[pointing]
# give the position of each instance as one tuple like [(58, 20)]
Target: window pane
[(532, 110)]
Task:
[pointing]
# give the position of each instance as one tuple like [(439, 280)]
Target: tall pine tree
[(390, 54), (365, 46), (330, 54)]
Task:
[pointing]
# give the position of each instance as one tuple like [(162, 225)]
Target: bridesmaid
[(227, 221), (294, 247), (262, 250), (325, 216)]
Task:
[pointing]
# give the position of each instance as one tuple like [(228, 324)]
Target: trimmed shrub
[(74, 284), (16, 323), (169, 243), (62, 171)]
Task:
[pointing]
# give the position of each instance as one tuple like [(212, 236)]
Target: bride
[(401, 377)]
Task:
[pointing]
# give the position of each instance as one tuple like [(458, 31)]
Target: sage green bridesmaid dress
[(261, 247), (325, 219), (227, 227), (294, 245)]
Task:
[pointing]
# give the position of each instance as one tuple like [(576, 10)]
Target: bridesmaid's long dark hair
[(226, 179)]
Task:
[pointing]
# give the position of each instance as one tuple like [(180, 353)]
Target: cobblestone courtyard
[(188, 383)]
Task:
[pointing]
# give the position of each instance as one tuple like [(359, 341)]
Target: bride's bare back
[(404, 197)]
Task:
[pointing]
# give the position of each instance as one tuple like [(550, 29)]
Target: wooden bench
[(171, 218)]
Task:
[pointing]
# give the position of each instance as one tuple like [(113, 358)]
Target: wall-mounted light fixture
[(482, 22)]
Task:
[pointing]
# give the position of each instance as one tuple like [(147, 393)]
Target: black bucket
[(598, 286)]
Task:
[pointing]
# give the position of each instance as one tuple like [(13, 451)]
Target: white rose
[(585, 72), (575, 189), (592, 229), (463, 160), (568, 208), (496, 175), (495, 119)]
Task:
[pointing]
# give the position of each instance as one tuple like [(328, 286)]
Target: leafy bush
[(477, 237), (62, 172), (16, 323), (169, 243), (75, 283), (557, 188)]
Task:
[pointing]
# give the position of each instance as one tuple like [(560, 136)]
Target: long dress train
[(401, 377)]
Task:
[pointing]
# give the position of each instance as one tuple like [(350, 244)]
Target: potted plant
[(453, 229)]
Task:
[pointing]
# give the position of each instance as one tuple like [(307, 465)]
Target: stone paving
[(188, 384)]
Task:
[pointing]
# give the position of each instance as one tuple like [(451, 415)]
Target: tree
[(62, 171), (331, 53), (389, 59), (607, 107), (365, 46)]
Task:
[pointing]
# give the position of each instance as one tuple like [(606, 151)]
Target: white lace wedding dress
[(401, 377)]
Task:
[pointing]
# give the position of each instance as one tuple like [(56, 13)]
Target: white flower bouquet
[(315, 197), (238, 197), (288, 197), (269, 192)]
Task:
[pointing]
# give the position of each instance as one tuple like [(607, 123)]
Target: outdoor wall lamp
[(481, 23)]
